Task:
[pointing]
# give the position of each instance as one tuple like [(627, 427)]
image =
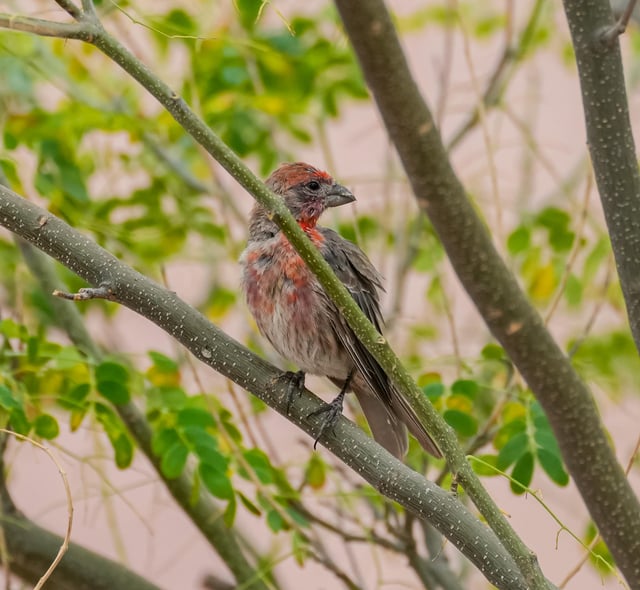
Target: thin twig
[(597, 308), (45, 28), (503, 72), (482, 117), (85, 294), (620, 26), (89, 8), (67, 490), (444, 84), (70, 8), (574, 252)]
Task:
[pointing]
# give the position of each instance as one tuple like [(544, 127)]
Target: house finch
[(294, 313)]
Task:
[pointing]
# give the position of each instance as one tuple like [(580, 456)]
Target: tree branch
[(208, 343), (33, 548), (44, 28), (492, 287)]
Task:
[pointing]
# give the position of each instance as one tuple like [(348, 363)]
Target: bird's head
[(307, 191)]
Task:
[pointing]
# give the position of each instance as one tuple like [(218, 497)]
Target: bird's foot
[(332, 411), (295, 384)]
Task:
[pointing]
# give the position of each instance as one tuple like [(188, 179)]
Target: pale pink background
[(134, 521)]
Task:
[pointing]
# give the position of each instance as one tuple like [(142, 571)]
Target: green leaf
[(513, 450), (465, 387), (229, 515), (300, 547), (162, 362), (275, 521), (561, 240), (519, 240), (115, 391), (493, 352), (46, 426), (112, 379), (600, 556), (123, 448), (522, 473), (19, 421), (553, 219), (198, 436), (512, 426), (316, 472), (163, 440), (212, 457), (169, 398), (32, 349), (486, 466), (75, 398), (434, 390), (463, 424), (180, 22), (596, 260), (7, 401), (573, 290), (260, 464), (296, 516), (76, 417), (195, 417), (111, 371), (546, 440), (552, 465), (216, 481), (249, 11), (248, 504), (174, 460)]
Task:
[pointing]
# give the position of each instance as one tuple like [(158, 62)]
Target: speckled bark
[(610, 141), (492, 287)]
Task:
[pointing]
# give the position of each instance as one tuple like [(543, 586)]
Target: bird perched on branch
[(294, 313)]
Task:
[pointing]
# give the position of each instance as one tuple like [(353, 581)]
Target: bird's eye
[(314, 185)]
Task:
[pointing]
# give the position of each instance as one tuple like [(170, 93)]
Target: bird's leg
[(295, 384), (333, 409)]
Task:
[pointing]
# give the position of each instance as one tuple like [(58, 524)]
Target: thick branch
[(610, 140), (349, 443), (492, 287)]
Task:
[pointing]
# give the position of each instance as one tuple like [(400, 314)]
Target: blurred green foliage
[(83, 137)]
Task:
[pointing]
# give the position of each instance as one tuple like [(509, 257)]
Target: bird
[(294, 313)]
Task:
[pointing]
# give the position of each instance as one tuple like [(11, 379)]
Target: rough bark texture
[(610, 140)]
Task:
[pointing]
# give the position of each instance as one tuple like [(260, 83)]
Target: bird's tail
[(385, 426), (389, 422), (405, 412)]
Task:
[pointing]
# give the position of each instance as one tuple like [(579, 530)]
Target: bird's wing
[(362, 280)]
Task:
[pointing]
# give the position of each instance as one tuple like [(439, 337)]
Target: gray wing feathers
[(363, 281), (385, 426)]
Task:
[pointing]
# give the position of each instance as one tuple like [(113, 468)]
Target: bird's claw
[(333, 411), (295, 385)]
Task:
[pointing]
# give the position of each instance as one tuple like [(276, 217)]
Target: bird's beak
[(339, 195)]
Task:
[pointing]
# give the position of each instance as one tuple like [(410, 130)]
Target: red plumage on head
[(290, 174)]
